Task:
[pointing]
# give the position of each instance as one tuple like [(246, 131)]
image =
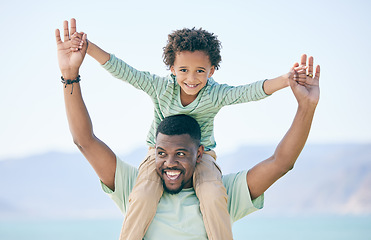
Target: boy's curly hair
[(192, 40)]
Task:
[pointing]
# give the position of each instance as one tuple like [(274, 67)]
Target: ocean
[(277, 228)]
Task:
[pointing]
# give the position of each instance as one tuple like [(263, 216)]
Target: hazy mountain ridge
[(327, 179)]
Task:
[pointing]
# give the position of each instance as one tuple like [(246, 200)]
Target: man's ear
[(200, 152), (212, 70)]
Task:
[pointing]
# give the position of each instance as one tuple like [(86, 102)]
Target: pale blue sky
[(261, 39)]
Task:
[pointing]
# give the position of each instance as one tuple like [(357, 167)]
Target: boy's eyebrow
[(197, 67)]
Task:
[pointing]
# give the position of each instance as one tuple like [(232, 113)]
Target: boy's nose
[(192, 77)]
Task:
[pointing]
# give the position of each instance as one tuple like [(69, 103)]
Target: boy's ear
[(172, 70), (212, 70)]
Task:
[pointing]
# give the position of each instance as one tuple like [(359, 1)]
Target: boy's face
[(176, 158), (192, 69)]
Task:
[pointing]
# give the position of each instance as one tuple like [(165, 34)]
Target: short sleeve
[(125, 177), (239, 199)]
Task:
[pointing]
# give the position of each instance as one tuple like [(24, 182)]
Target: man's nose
[(171, 162)]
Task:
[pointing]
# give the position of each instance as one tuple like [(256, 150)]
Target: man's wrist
[(70, 74), (307, 106)]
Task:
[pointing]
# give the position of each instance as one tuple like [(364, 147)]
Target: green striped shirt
[(165, 94)]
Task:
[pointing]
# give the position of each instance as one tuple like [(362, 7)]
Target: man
[(178, 151)]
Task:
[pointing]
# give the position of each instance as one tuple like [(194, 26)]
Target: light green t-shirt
[(178, 216), (165, 95)]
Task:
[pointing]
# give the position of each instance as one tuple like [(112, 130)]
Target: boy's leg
[(213, 198), (143, 200)]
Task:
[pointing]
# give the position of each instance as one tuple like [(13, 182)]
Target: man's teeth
[(172, 174)]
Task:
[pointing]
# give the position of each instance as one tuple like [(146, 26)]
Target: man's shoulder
[(232, 179), (240, 203)]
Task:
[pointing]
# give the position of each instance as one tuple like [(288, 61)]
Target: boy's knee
[(213, 193), (146, 196)]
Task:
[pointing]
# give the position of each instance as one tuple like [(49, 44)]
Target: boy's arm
[(97, 53), (272, 85), (93, 50), (264, 174), (118, 68), (101, 157)]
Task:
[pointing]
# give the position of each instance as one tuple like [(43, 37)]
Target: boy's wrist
[(88, 46), (287, 78)]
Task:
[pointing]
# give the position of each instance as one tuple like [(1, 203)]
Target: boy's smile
[(192, 69)]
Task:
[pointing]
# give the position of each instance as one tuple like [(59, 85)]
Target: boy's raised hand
[(69, 59), (304, 84)]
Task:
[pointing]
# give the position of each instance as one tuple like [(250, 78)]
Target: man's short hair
[(180, 124)]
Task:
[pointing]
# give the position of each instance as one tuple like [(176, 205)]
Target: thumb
[(86, 42)]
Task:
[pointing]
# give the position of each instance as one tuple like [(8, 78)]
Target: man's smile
[(172, 174)]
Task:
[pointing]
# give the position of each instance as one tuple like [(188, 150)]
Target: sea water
[(304, 228), (277, 228)]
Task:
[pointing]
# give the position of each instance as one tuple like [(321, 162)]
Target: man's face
[(176, 158)]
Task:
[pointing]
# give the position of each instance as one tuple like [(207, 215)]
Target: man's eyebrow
[(178, 149), (182, 150), (160, 148)]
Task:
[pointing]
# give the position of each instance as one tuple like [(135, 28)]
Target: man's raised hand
[(305, 85), (69, 58)]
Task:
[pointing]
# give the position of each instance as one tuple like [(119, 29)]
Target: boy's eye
[(200, 71), (183, 70), (180, 154)]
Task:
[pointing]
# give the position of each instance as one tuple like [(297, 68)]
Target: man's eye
[(181, 154), (161, 154)]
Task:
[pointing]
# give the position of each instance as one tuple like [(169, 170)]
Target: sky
[(260, 39)]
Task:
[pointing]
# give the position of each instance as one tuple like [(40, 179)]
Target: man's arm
[(101, 157), (264, 174)]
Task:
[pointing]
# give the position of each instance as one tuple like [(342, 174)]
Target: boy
[(192, 55)]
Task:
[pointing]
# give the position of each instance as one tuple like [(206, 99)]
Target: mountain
[(327, 179)]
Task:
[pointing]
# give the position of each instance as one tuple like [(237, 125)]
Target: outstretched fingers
[(58, 36), (310, 66), (318, 71), (73, 26), (303, 60), (66, 35)]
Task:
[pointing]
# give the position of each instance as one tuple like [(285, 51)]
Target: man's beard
[(175, 191)]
